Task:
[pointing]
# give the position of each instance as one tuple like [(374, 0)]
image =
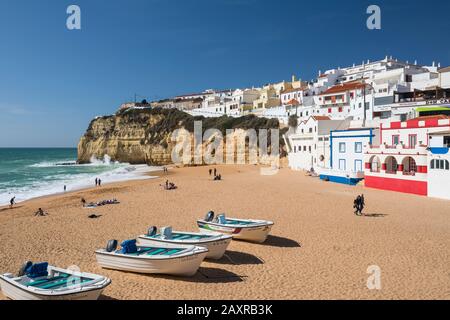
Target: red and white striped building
[(400, 161)]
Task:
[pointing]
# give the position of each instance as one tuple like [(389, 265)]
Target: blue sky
[(54, 81)]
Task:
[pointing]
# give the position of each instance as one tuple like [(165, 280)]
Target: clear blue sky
[(54, 81)]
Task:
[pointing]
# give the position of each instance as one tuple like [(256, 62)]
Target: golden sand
[(318, 249)]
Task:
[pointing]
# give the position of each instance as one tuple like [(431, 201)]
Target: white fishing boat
[(216, 243), (164, 258), (242, 229), (43, 282)]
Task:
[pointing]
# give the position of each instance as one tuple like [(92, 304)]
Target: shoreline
[(318, 248), (144, 175)]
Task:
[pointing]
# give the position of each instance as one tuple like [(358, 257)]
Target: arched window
[(391, 165), (409, 166), (375, 164), (440, 164)]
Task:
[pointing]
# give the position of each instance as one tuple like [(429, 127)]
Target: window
[(409, 166), (295, 149), (391, 165), (358, 166), (358, 147), (310, 130), (342, 164), (341, 147), (375, 164), (309, 148), (304, 148), (340, 109), (440, 164), (412, 139), (395, 140), (329, 110)]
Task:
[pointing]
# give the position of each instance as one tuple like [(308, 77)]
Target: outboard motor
[(152, 231), (221, 219), (24, 268), (209, 216), (111, 246), (166, 232)]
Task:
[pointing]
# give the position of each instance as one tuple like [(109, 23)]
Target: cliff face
[(145, 136)]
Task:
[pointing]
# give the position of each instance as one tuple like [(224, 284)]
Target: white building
[(439, 165), (309, 145), (347, 156)]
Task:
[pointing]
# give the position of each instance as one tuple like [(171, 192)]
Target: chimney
[(434, 64), (294, 78)]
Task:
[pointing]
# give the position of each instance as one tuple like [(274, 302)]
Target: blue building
[(347, 155)]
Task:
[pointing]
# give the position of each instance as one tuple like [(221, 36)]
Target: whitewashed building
[(309, 145), (347, 154), (439, 165), (400, 161)]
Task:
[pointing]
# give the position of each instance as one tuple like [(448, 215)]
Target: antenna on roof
[(439, 64), (434, 64)]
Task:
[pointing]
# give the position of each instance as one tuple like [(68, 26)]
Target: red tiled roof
[(321, 117), (438, 116), (293, 102), (344, 87)]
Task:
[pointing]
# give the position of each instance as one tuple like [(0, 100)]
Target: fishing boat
[(242, 229), (164, 258), (216, 243), (40, 281)]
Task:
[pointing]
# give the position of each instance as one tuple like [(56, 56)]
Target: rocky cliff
[(145, 136)]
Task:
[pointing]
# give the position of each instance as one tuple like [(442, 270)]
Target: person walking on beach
[(65, 188), (210, 172), (83, 202), (12, 202), (99, 182), (96, 181)]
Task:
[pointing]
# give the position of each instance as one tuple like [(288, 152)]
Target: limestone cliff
[(145, 136)]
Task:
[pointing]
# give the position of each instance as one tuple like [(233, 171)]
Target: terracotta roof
[(293, 102), (321, 118), (292, 90), (438, 116), (446, 69), (344, 87)]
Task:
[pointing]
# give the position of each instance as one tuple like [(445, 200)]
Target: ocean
[(28, 173)]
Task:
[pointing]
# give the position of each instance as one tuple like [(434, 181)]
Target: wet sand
[(318, 249)]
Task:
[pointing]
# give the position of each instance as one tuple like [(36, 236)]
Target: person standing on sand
[(83, 202), (210, 172), (12, 202), (215, 172), (99, 182), (65, 188), (96, 181)]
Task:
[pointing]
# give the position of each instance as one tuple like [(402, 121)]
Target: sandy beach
[(318, 249)]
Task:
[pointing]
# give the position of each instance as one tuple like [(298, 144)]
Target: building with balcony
[(400, 160)]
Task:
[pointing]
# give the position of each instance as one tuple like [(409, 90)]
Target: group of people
[(98, 182), (100, 203), (358, 205), (217, 177), (170, 185)]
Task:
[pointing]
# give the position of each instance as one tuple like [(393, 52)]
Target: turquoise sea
[(28, 173)]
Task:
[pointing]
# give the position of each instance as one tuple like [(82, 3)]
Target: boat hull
[(184, 266), (257, 233), (216, 247), (15, 292)]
